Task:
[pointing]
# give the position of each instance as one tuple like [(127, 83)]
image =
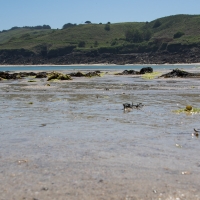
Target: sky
[(56, 13)]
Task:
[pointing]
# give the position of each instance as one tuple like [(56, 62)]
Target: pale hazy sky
[(56, 13)]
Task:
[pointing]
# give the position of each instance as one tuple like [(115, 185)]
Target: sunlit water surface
[(72, 140)]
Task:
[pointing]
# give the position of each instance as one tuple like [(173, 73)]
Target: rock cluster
[(180, 73), (58, 76), (144, 70), (89, 74)]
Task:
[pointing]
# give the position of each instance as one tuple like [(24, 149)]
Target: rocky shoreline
[(60, 76), (25, 57)]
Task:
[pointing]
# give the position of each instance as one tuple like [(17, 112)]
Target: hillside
[(164, 36)]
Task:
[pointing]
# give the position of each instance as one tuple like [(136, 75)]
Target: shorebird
[(196, 133), (139, 105), (129, 107)]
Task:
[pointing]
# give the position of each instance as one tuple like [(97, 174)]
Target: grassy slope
[(71, 36), (32, 39), (189, 24)]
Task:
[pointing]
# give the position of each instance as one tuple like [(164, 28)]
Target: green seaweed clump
[(32, 81), (58, 76), (152, 75), (188, 110)]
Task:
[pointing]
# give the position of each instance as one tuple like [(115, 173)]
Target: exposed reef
[(180, 73), (170, 56), (144, 70)]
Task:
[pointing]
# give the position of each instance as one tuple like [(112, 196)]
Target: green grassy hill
[(96, 37)]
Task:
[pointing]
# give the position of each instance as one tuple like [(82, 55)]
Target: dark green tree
[(129, 35), (157, 23), (134, 35), (68, 25), (147, 35), (137, 36), (178, 34), (107, 27), (46, 27), (96, 44), (81, 44), (15, 27), (87, 22)]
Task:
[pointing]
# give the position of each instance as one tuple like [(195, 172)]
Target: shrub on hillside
[(137, 36), (178, 34), (38, 27), (88, 22), (157, 23), (107, 27), (81, 44), (113, 43), (96, 44), (68, 25), (147, 35)]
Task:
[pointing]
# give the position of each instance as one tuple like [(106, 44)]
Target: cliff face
[(176, 54)]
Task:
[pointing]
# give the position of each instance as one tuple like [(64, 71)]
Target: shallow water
[(92, 67), (73, 140)]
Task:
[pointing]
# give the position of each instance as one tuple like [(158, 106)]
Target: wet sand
[(72, 139)]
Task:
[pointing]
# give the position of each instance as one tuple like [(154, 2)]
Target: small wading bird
[(129, 107), (196, 133)]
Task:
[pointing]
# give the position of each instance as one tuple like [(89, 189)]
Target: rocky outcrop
[(6, 75), (77, 74), (144, 70), (41, 75), (58, 76), (128, 72), (89, 74), (180, 73), (171, 54)]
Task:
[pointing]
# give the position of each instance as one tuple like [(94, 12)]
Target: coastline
[(103, 64)]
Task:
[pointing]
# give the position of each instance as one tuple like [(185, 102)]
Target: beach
[(73, 140)]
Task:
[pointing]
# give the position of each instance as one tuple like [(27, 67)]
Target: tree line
[(29, 27)]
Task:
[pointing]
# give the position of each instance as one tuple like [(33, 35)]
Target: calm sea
[(89, 67)]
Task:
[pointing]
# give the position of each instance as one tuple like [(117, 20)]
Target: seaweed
[(152, 75), (58, 76), (188, 110)]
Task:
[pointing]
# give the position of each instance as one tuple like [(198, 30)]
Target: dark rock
[(77, 74), (59, 76), (180, 73), (23, 74), (6, 75), (41, 75), (31, 74), (167, 54), (129, 72), (91, 74), (146, 70)]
